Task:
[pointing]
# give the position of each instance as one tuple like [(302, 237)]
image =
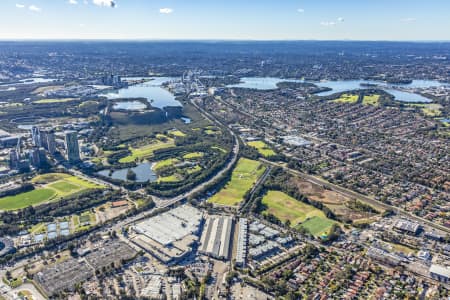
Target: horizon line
[(209, 40)]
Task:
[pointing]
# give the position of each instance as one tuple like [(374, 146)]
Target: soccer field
[(244, 176), (54, 186), (318, 226), (286, 208), (298, 213)]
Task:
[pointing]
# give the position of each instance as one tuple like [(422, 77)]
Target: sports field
[(146, 151), (244, 176), (284, 207), (371, 100), (262, 148), (298, 213), (49, 187), (347, 98), (318, 226)]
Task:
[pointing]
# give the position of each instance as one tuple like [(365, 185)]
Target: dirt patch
[(318, 193)]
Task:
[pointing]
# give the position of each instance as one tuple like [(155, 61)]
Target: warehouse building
[(216, 237), (407, 226), (440, 273), (169, 236)]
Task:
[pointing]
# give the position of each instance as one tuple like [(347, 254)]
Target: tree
[(131, 175)]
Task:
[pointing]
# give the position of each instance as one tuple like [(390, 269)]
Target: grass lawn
[(26, 199), (64, 187), (317, 226), (286, 208), (432, 110), (262, 148), (193, 155), (194, 169), (171, 178), (46, 101), (244, 176), (55, 186), (165, 163), (146, 151), (177, 133), (371, 100), (347, 98)]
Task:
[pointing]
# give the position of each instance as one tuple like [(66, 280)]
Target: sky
[(413, 20)]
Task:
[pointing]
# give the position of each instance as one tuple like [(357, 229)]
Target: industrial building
[(169, 236), (407, 226), (216, 237), (440, 273), (242, 243)]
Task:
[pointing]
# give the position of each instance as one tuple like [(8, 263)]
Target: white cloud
[(20, 5), (165, 10), (73, 2), (327, 23), (340, 19), (300, 10), (109, 3), (34, 8), (408, 20)]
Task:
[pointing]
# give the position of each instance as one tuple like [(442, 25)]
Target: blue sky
[(226, 19)]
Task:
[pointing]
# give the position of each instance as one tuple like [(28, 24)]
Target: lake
[(269, 83), (143, 172), (151, 90)]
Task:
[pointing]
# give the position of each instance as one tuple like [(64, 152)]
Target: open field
[(432, 110), (47, 101), (244, 176), (146, 151), (347, 98), (286, 208), (53, 186), (318, 226), (333, 200), (48, 88), (262, 148), (371, 100), (177, 133), (26, 199), (165, 163), (193, 155), (171, 178)]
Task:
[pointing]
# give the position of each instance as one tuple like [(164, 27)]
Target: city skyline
[(219, 20)]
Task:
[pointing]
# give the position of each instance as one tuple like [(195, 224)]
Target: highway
[(355, 195)]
